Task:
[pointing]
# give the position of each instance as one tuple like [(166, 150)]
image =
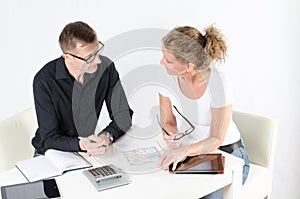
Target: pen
[(166, 131), (91, 141), (162, 126)]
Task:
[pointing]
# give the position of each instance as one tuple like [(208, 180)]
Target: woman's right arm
[(167, 118)]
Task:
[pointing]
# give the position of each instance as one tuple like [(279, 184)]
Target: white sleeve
[(220, 89), (164, 92), (169, 89), (169, 93)]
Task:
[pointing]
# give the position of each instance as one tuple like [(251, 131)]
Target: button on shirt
[(67, 109)]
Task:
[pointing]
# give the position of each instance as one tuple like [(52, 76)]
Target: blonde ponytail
[(215, 45), (188, 45)]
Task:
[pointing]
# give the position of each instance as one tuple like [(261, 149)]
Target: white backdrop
[(263, 39)]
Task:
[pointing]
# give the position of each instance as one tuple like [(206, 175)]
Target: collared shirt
[(67, 109)]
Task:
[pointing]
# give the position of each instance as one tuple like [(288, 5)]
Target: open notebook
[(53, 163)]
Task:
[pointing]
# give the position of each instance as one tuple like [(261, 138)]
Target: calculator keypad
[(102, 171), (106, 177)]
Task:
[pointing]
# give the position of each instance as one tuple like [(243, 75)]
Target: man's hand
[(94, 145)]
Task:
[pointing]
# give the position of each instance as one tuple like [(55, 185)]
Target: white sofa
[(259, 136), (16, 133)]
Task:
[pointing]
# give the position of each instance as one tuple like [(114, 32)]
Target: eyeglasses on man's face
[(92, 57), (180, 134)]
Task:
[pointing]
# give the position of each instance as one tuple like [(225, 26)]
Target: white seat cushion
[(256, 187)]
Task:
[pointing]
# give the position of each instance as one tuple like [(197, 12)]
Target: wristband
[(108, 135)]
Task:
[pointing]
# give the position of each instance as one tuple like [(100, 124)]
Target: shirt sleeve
[(48, 124), (220, 88), (117, 105), (164, 92), (170, 89)]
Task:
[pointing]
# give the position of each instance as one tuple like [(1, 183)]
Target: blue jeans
[(241, 153), (36, 154)]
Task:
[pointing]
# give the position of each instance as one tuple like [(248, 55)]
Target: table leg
[(233, 191)]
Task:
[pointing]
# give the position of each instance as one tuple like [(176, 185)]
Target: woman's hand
[(173, 156), (171, 143)]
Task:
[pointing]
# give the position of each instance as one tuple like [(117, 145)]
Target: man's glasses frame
[(91, 58), (182, 134)]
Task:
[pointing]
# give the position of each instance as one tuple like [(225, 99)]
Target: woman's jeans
[(36, 154), (241, 153)]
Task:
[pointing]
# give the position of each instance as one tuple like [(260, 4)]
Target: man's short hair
[(76, 32)]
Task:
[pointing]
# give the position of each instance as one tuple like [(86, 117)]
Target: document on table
[(133, 156), (140, 152)]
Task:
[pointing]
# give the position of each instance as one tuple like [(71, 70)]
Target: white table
[(158, 184)]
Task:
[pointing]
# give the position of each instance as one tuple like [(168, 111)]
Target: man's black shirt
[(67, 109)]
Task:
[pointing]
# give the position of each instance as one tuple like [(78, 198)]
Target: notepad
[(53, 163)]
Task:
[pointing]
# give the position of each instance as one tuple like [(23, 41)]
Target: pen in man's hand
[(92, 141)]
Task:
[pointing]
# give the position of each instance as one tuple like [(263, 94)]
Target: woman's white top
[(198, 111)]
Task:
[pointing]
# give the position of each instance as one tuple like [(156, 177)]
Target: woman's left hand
[(173, 156)]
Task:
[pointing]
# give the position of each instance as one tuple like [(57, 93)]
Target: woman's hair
[(75, 32), (188, 45)]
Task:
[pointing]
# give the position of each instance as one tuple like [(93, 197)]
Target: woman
[(190, 56)]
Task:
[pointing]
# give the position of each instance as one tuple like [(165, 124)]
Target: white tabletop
[(159, 184)]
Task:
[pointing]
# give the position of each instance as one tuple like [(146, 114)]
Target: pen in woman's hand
[(166, 132)]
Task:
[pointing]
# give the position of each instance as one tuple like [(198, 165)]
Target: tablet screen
[(38, 189), (206, 164)]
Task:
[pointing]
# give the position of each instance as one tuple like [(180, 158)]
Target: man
[(69, 93)]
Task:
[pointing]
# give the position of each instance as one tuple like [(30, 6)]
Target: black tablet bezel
[(186, 166), (49, 186)]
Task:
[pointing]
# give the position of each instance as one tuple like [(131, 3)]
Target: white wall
[(263, 38)]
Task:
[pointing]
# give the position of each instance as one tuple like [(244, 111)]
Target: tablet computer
[(38, 189), (201, 164)]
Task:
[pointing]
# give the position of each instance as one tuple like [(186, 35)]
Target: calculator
[(106, 177)]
